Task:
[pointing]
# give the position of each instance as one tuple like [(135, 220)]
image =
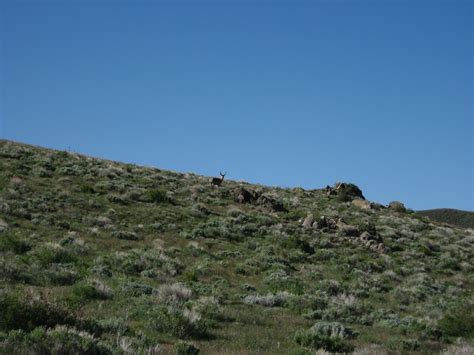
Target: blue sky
[(286, 93)]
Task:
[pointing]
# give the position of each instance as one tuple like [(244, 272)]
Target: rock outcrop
[(345, 191), (243, 195), (397, 206)]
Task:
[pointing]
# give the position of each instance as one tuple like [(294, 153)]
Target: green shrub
[(12, 268), (351, 313), (157, 195), (87, 189), (307, 304), (268, 300), (54, 253), (183, 324), (308, 339), (331, 287), (94, 290), (291, 285), (16, 314), (140, 260), (125, 235), (60, 340), (208, 307), (410, 344), (61, 276), (183, 348), (326, 335), (174, 294), (15, 244), (136, 289), (297, 242), (458, 321), (295, 214), (368, 226)]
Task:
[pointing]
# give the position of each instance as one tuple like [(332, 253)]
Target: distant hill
[(464, 219)]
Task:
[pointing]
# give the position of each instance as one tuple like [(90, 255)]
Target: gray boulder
[(308, 221)]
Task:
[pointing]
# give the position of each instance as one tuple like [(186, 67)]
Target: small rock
[(15, 180), (325, 223), (321, 223), (5, 208), (308, 221), (363, 204), (379, 248), (103, 221), (125, 235), (271, 203), (3, 225), (365, 236), (349, 230), (245, 196)]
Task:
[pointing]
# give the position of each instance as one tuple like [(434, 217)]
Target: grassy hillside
[(463, 219), (101, 257)]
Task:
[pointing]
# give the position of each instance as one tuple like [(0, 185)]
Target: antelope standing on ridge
[(218, 181)]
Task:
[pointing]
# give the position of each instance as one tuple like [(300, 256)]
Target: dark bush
[(87, 189), (51, 254), (157, 195), (61, 277), (293, 286), (86, 292), (15, 244), (297, 242), (328, 343), (458, 321), (58, 341), (183, 348), (348, 192), (136, 289), (16, 314), (125, 235)]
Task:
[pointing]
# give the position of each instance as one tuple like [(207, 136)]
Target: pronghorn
[(218, 181)]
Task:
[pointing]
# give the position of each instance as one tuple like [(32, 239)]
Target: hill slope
[(463, 219), (104, 257)]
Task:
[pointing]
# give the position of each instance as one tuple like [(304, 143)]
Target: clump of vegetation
[(92, 290), (181, 323), (269, 300), (328, 336), (183, 348), (174, 295), (458, 320), (14, 243), (157, 195), (30, 314), (59, 340)]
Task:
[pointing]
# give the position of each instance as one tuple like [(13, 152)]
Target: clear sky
[(285, 93)]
